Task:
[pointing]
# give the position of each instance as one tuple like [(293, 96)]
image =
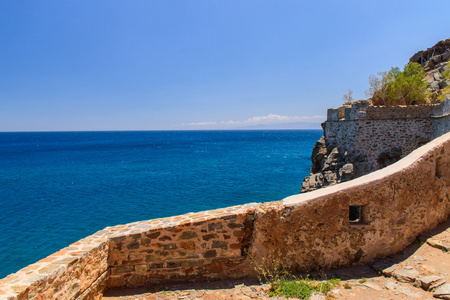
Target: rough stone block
[(219, 244), (122, 269), (426, 281), (190, 245), (215, 226), (188, 235), (210, 254), (407, 274), (442, 292), (210, 236)]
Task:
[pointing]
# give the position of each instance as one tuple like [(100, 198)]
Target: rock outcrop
[(332, 165), (434, 61)]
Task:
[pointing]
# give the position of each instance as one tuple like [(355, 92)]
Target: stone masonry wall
[(388, 112), (307, 231), (369, 129), (313, 230), (202, 246), (370, 137), (367, 138), (78, 271), (440, 126)]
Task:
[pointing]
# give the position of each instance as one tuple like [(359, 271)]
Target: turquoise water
[(58, 187)]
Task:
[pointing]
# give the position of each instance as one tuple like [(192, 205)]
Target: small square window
[(355, 214)]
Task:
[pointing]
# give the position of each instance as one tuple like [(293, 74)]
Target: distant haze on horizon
[(194, 65)]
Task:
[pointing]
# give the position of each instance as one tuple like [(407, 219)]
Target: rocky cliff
[(360, 138), (434, 61)]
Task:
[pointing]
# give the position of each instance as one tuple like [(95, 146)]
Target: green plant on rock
[(273, 271), (292, 288), (270, 269), (445, 92), (397, 87), (303, 288)]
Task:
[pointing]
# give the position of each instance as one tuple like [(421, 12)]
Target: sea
[(59, 187)]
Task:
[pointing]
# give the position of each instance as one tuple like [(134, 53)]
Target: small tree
[(347, 98), (408, 87), (378, 88), (397, 87)]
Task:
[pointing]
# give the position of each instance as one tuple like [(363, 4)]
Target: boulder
[(334, 161), (330, 177), (407, 274), (312, 182), (442, 292), (347, 172), (425, 282)]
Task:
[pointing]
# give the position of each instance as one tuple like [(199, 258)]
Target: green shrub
[(272, 270), (302, 288), (397, 87), (292, 288), (445, 92), (326, 286)]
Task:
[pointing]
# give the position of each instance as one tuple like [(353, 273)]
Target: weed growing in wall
[(303, 288), (273, 271), (270, 269)]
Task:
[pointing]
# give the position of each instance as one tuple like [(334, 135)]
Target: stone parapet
[(362, 110), (201, 246), (78, 271), (394, 205), (194, 246)]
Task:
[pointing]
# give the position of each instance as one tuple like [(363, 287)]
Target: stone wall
[(307, 231), (202, 246), (397, 203), (78, 271), (368, 129), (196, 246), (367, 138), (370, 137), (440, 126)]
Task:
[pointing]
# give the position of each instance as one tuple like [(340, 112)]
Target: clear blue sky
[(151, 65)]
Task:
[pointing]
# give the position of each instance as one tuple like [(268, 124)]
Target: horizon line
[(156, 130)]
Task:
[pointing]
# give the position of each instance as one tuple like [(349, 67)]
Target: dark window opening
[(355, 215)]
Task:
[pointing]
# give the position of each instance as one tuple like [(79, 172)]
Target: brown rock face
[(332, 165), (438, 52), (434, 60)]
